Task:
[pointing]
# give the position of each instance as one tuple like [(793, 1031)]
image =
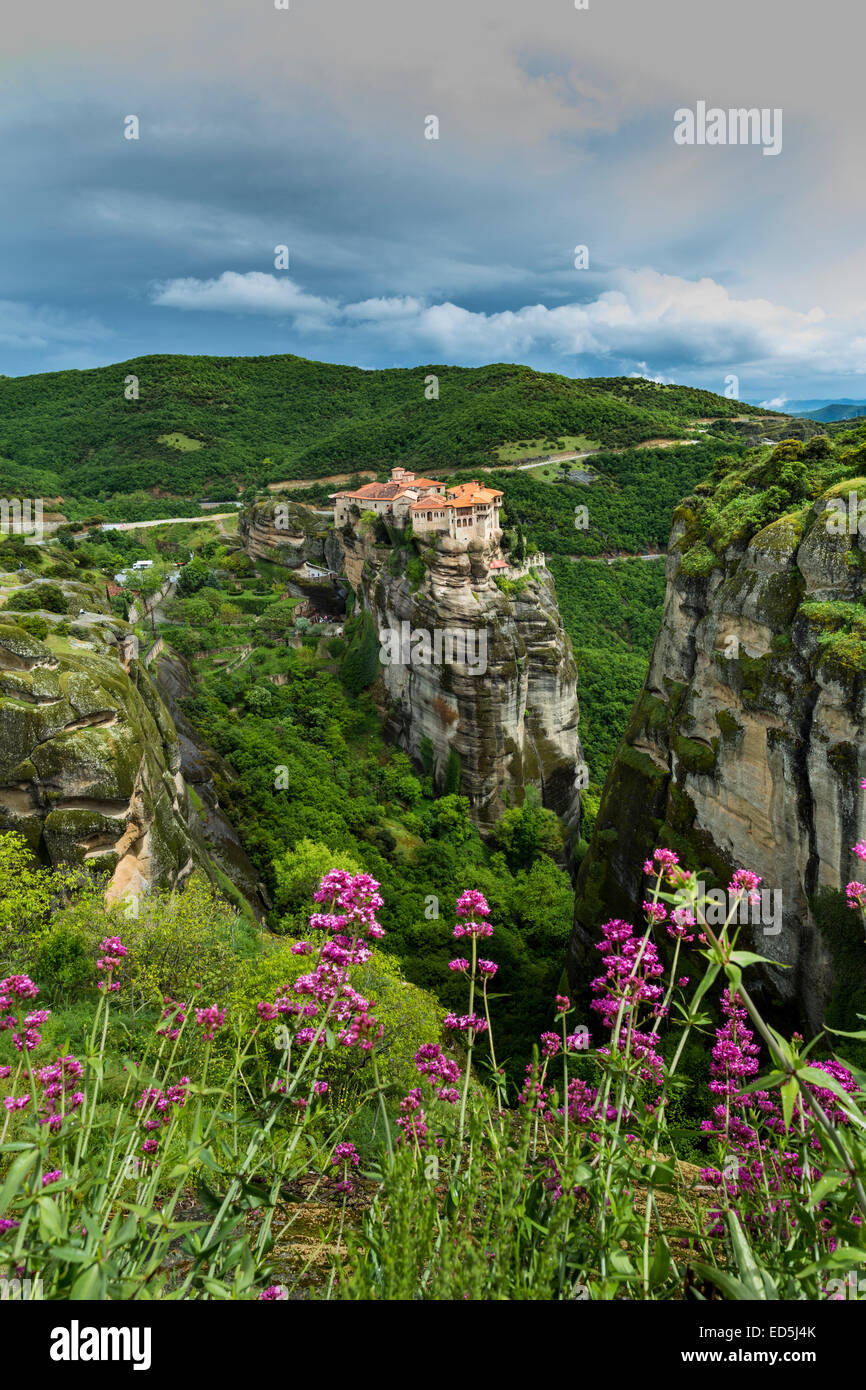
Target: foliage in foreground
[(571, 1189)]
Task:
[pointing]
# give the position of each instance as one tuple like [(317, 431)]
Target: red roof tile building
[(467, 512)]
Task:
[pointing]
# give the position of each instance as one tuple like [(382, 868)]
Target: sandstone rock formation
[(299, 539), (745, 748), (89, 760), (201, 766), (511, 726), (511, 718)]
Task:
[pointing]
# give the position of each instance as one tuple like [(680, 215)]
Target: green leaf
[(734, 975), (748, 1266), (50, 1221), (784, 1048), (750, 958), (731, 1287), (705, 984), (764, 1083), (661, 1263), (90, 1284), (824, 1186), (208, 1198), (16, 1175), (71, 1255), (790, 1090)]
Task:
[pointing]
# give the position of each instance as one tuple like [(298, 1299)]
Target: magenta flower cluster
[(346, 1156), (113, 951), (157, 1110), (55, 1081), (472, 908), (14, 990), (325, 993), (173, 1016), (210, 1020), (442, 1073), (757, 1163)]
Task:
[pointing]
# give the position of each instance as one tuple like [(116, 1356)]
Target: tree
[(819, 447), (28, 893), (452, 773), (185, 642), (298, 873), (449, 817), (527, 831), (279, 618), (260, 699), (193, 577)]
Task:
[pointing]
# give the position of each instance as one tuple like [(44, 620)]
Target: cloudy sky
[(305, 127)]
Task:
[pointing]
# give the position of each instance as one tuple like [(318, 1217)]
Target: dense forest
[(192, 426), (255, 1082)]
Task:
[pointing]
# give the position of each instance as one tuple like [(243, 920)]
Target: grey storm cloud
[(306, 127)]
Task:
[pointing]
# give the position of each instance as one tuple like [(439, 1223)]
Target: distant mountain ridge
[(192, 426), (827, 411)]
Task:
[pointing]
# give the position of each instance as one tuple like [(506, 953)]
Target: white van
[(143, 565)]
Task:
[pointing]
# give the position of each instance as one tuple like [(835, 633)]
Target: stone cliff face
[(89, 760), (298, 538), (746, 746), (201, 766), (509, 711), (512, 725)]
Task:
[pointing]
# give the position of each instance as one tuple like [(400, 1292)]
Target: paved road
[(614, 559), (550, 458), (164, 521)]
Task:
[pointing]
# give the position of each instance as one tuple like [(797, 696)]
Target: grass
[(548, 472), (528, 448), (179, 441), (192, 535)]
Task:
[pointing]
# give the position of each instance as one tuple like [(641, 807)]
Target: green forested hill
[(201, 425)]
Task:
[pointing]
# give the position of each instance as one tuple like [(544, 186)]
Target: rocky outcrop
[(202, 768), (500, 700), (302, 541), (89, 758), (746, 747), (507, 726)]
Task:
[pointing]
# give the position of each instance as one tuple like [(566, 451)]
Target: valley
[(195, 747)]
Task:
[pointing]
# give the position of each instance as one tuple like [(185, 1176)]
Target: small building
[(391, 499), (467, 512)]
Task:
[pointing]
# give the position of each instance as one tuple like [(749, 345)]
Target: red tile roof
[(472, 494), (383, 492)]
